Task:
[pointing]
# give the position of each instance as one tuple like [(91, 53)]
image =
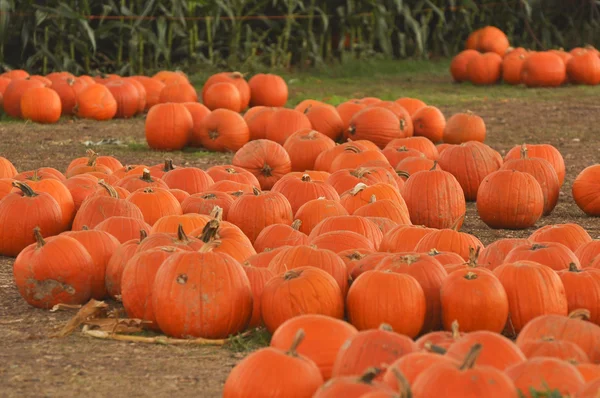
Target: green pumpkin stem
[(471, 357), (26, 189), (37, 233)]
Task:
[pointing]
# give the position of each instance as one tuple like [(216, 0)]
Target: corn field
[(139, 36)]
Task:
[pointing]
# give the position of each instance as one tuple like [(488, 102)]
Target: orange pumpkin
[(268, 90), (152, 87), (512, 67), (285, 122), (548, 347), (421, 144), (346, 110), (485, 69), (586, 190), (463, 127), (346, 179), (570, 234), (543, 69), (68, 89), (168, 126), (314, 211), (376, 124), (551, 254), (257, 119), (492, 39), (403, 238), (544, 151), (588, 252), (277, 235), (223, 130), (222, 96), (497, 351), (411, 104), (178, 91), (584, 68), (449, 240), (14, 92), (229, 172), (234, 78), (127, 97), (155, 203), (458, 66), (429, 122), (95, 102), (545, 374), (266, 159), (326, 120), (117, 263), (304, 146), (258, 277), (582, 288), (189, 179)]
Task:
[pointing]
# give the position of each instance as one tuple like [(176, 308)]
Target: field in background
[(31, 364)]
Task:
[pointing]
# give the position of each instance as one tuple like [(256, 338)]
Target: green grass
[(255, 339)]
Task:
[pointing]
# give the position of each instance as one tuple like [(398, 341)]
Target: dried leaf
[(63, 307), (91, 310), (116, 325), (151, 340)]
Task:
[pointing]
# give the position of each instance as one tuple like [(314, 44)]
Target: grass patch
[(257, 338)]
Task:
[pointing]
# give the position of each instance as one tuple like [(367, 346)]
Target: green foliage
[(142, 36), (249, 341)]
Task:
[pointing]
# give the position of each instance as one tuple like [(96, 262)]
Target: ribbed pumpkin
[(544, 151), (224, 130), (545, 374), (584, 68), (449, 240), (492, 39), (298, 191), (532, 289), (134, 182), (168, 126), (376, 124), (117, 263), (325, 159), (266, 159), (429, 342), (358, 224), (586, 189), (123, 228), (403, 238), (364, 262), (277, 235), (304, 146), (512, 66), (178, 240), (588, 252), (338, 241), (41, 105), (590, 372), (155, 203), (171, 224), (314, 211), (232, 173), (463, 127), (258, 277), (582, 288), (470, 163), (411, 104), (369, 348), (497, 351), (112, 163), (430, 275), (255, 211), (234, 78), (396, 155), (138, 280), (11, 98), (257, 119), (178, 92), (25, 211), (326, 120), (7, 169), (346, 110), (262, 260), (355, 386), (222, 95), (127, 97), (295, 375), (344, 180), (167, 76), (551, 254), (494, 254), (420, 144), (361, 195), (378, 297), (198, 112), (571, 235), (384, 208), (53, 271), (510, 199), (189, 179), (95, 102), (303, 290), (543, 69), (268, 90), (204, 203), (285, 122), (201, 294), (448, 258), (548, 347), (153, 87), (458, 66), (475, 299), (434, 198), (485, 69), (412, 365)]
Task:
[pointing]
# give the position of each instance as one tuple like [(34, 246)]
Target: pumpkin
[(222, 95), (420, 144), (589, 390), (311, 213), (7, 169), (168, 126), (543, 69), (81, 187), (255, 211), (346, 110), (325, 159), (463, 127), (6, 187), (368, 348), (304, 105), (445, 200), (24, 211), (438, 342), (373, 299), (384, 208), (223, 130), (533, 289), (590, 372), (548, 347), (296, 375), (137, 282), (234, 78), (338, 241), (14, 93), (458, 66), (178, 240), (354, 386), (376, 124), (117, 263), (68, 89), (361, 194), (585, 190), (178, 92), (396, 155), (544, 151), (412, 365), (171, 224), (189, 179), (262, 260), (326, 120), (112, 163), (167, 76), (267, 160), (512, 67), (344, 180), (403, 238), (212, 310), (53, 271), (485, 69), (447, 258), (551, 254), (95, 102), (204, 203), (15, 74), (363, 263), (268, 90), (257, 276), (152, 87), (475, 299), (298, 191), (303, 290), (127, 96), (469, 379), (134, 182), (198, 112), (429, 122), (588, 252), (494, 254), (582, 288), (232, 173), (497, 351), (324, 338), (545, 374), (492, 39), (277, 235), (304, 146), (449, 240), (570, 234), (257, 119), (411, 104), (285, 122), (102, 190), (123, 228), (584, 68), (430, 275)]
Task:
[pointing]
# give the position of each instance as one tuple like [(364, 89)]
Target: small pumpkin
[(268, 90), (458, 66), (222, 95), (586, 189), (95, 102), (168, 126), (266, 159), (463, 127), (429, 122), (304, 146)]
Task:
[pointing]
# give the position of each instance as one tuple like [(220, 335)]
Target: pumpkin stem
[(373, 199), (409, 259), (146, 177), (300, 335), (231, 170), (369, 375), (92, 156), (470, 276), (455, 329), (402, 149), (311, 135), (573, 268), (435, 163), (433, 252), (256, 191), (26, 189), (111, 191), (291, 274), (209, 246), (236, 194), (143, 235), (37, 233), (305, 178), (353, 149), (436, 349), (402, 173), (524, 151), (297, 224), (404, 385), (386, 327), (471, 357), (168, 165), (580, 313), (181, 236), (473, 256), (358, 188), (217, 213), (85, 228), (210, 230), (402, 124), (538, 246), (352, 130), (457, 222), (266, 170)]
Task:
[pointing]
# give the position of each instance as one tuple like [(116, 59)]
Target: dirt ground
[(32, 364)]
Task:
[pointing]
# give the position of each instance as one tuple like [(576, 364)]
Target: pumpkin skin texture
[(304, 290), (373, 297), (289, 374), (267, 160), (510, 199), (224, 130), (155, 203), (178, 240), (344, 180), (258, 277), (551, 254), (277, 235), (298, 191), (544, 292), (198, 112), (372, 347), (178, 92), (485, 69), (589, 390), (470, 163), (222, 96), (494, 254), (449, 240), (326, 120), (204, 203), (429, 122), (492, 39), (117, 263), (168, 126), (586, 190), (588, 253), (512, 66), (25, 211), (189, 179), (543, 69), (285, 122), (152, 87), (355, 386), (444, 200), (590, 372), (469, 379), (58, 270), (475, 299), (347, 110), (570, 234), (358, 224), (411, 104), (458, 66), (324, 338), (548, 347), (234, 78), (314, 211), (268, 90), (95, 102), (412, 365), (361, 195), (232, 173), (304, 146), (13, 94), (127, 97), (257, 119), (190, 277), (123, 228), (546, 374), (7, 169), (463, 127), (584, 68), (41, 105), (544, 151), (376, 124), (498, 351), (583, 290)]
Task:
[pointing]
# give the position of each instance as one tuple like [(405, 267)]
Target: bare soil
[(32, 364)]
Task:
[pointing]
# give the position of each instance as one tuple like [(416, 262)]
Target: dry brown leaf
[(92, 309), (62, 307), (116, 325)]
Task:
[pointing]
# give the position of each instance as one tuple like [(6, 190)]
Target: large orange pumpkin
[(429, 122), (497, 351), (222, 95), (95, 102), (178, 91), (14, 92), (485, 69), (117, 263), (449, 240), (298, 191), (127, 97), (168, 126), (584, 68), (153, 87), (586, 190), (512, 66), (236, 79), (570, 234), (544, 151), (492, 39), (268, 90), (68, 89), (224, 131), (376, 124), (543, 69), (266, 159), (326, 120), (463, 127), (551, 254), (304, 146), (458, 66), (582, 288)]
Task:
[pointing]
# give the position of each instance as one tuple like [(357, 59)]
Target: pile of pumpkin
[(488, 59)]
